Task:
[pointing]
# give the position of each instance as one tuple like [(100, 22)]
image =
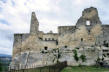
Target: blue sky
[(15, 16)]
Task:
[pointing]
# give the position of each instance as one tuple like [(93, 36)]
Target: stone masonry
[(88, 37)]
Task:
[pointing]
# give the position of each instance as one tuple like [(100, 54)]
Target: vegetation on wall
[(76, 55), (83, 58)]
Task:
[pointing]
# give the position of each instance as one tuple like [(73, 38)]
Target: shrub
[(83, 58), (76, 55)]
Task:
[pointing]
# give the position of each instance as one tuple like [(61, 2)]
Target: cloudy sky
[(15, 16)]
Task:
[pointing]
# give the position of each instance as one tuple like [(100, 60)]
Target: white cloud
[(4, 50), (50, 13), (18, 14)]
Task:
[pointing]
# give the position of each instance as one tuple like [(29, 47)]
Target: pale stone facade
[(89, 37)]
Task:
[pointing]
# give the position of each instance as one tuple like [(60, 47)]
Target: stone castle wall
[(88, 33), (70, 36)]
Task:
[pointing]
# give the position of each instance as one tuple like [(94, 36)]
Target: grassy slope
[(85, 69)]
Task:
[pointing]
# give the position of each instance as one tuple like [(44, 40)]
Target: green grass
[(85, 69)]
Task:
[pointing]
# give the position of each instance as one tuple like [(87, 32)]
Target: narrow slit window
[(81, 39)]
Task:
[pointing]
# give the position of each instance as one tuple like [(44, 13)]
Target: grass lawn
[(85, 69)]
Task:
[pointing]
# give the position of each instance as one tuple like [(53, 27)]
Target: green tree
[(0, 66)]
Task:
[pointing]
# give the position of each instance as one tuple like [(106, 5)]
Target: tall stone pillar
[(34, 24)]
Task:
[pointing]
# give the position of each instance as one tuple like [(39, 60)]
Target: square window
[(88, 22)]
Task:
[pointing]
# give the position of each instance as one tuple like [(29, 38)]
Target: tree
[(0, 66)]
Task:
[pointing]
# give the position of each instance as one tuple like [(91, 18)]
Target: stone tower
[(89, 15), (34, 24), (89, 18)]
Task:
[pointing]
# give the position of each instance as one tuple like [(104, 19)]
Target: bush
[(83, 58), (76, 55)]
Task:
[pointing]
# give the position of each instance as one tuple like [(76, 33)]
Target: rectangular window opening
[(88, 22)]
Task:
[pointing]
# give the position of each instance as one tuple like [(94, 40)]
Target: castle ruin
[(89, 37)]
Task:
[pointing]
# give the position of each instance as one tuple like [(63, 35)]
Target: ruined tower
[(34, 24), (89, 15), (89, 18)]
